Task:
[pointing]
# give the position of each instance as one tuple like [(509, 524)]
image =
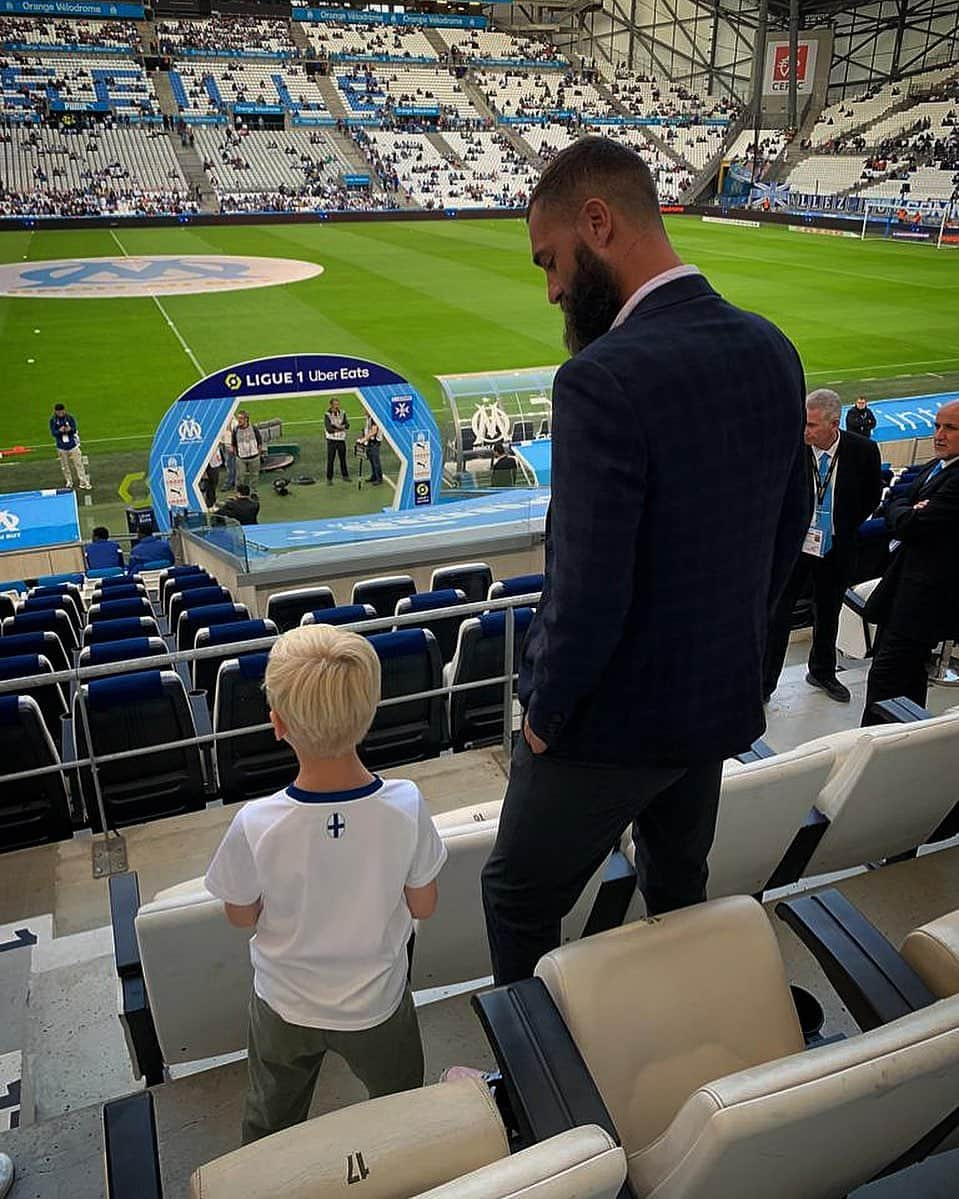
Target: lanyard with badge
[(818, 539)]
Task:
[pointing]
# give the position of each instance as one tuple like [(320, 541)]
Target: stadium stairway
[(299, 39), (442, 146), (436, 41), (331, 96), (475, 95), (348, 148), (702, 189)]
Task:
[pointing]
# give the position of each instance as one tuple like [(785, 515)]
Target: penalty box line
[(166, 316)]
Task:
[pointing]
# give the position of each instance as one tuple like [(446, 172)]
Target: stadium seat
[(55, 603), (134, 711), (409, 732), (50, 697), (60, 589), (170, 582), (255, 764), (106, 572), (202, 597), (693, 1047), (856, 635), (383, 593), (476, 716), (344, 614), (517, 585), (52, 620), (118, 580), (194, 619), (121, 591), (118, 609), (522, 430), (116, 630), (75, 577), (32, 810), (103, 652), (286, 608), (17, 585), (46, 643), (444, 628), (204, 670), (474, 579), (7, 607)]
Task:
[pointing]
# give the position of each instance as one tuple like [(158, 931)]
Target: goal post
[(929, 222)]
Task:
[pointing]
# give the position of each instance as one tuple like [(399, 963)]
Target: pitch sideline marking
[(166, 316)]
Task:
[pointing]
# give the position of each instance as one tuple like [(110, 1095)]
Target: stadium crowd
[(239, 33)]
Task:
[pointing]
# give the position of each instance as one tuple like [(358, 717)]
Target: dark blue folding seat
[(122, 590), (53, 620), (116, 630), (34, 810), (101, 653), (50, 697), (444, 628), (256, 763), (474, 579), (286, 608), (70, 576), (120, 579), (40, 642), (135, 711), (476, 716), (516, 585), (194, 619), (17, 585), (383, 593), (7, 607), (106, 572), (409, 732), (55, 603), (118, 609), (56, 589), (343, 614), (205, 669), (194, 577), (203, 597)]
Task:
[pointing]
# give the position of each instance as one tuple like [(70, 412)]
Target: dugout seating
[(193, 619), (198, 597), (406, 732), (50, 697), (256, 763), (136, 711), (34, 810), (40, 642), (342, 614), (691, 1052), (383, 594), (120, 629), (476, 716), (287, 608), (52, 620), (204, 670), (474, 579), (444, 628), (516, 585)]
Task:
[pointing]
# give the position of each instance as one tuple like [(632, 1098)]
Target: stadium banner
[(72, 8), (417, 110), (776, 74), (265, 110), (34, 519), (398, 58), (63, 48), (199, 420), (193, 52), (199, 118), (298, 120), (731, 220), (356, 180), (346, 16), (823, 232)]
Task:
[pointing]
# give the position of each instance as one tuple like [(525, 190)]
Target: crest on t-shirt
[(336, 826)]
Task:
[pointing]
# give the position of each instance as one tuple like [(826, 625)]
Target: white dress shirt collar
[(829, 453), (660, 280)]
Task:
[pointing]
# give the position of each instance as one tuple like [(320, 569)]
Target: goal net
[(929, 222)]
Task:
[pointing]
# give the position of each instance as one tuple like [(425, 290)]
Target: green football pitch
[(425, 299)]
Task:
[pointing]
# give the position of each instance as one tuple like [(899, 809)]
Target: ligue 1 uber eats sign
[(195, 424)]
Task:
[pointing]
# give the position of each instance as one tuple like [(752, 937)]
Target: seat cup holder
[(810, 1013)]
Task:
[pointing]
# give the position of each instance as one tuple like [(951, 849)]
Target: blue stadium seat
[(40, 642), (255, 764), (54, 603), (50, 697), (7, 607), (474, 579), (106, 572), (52, 620), (116, 630), (123, 590), (117, 609), (103, 652), (55, 589), (516, 585), (383, 593), (202, 597), (409, 662), (180, 578), (119, 580), (343, 614), (286, 608), (74, 576), (194, 619), (33, 811), (476, 716), (444, 628), (17, 585), (205, 669), (134, 711)]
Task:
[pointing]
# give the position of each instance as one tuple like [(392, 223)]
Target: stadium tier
[(385, 90), (51, 34), (211, 86), (239, 34), (334, 41), (535, 94)]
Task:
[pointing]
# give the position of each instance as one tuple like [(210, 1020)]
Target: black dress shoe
[(832, 687)]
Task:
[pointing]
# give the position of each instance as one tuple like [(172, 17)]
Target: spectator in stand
[(63, 430), (241, 507), (149, 551), (860, 418), (247, 445), (330, 872), (102, 553)]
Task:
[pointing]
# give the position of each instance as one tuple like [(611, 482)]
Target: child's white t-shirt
[(330, 944)]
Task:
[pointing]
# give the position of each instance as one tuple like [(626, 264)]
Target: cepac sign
[(33, 519), (777, 74)]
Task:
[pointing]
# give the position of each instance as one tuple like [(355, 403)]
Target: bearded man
[(642, 669)]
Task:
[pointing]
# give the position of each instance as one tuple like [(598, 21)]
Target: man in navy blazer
[(679, 506)]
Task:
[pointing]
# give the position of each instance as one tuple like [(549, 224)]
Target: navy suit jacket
[(680, 499)]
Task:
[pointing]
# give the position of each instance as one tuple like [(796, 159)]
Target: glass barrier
[(222, 532)]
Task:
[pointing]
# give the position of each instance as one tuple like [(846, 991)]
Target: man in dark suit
[(916, 603), (642, 669), (845, 482), (241, 507)]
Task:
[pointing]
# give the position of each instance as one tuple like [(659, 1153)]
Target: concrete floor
[(60, 1035)]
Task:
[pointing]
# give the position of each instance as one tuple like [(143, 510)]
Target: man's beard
[(592, 301)]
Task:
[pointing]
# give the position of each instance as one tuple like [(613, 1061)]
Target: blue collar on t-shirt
[(302, 796)]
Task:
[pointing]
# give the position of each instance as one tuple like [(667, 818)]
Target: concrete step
[(442, 145), (299, 38), (192, 167), (164, 93), (434, 39), (332, 97), (473, 91)]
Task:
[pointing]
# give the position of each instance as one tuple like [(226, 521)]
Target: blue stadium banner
[(347, 16), (356, 180), (418, 110), (34, 519), (72, 8), (194, 425), (63, 48), (271, 110)]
